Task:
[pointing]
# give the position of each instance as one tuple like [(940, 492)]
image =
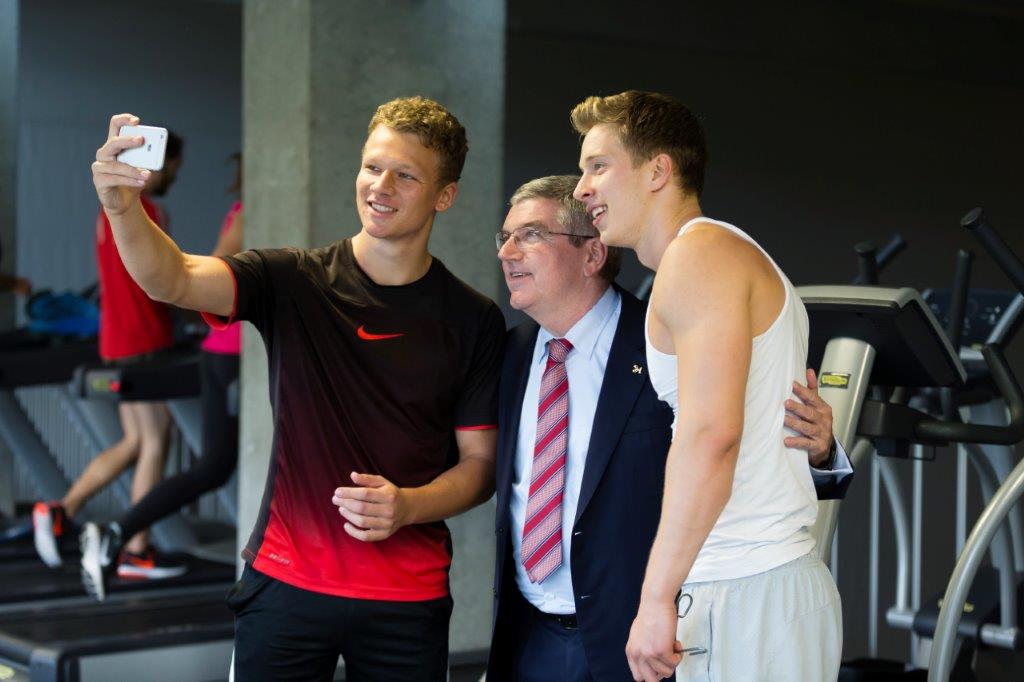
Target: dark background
[(828, 124)]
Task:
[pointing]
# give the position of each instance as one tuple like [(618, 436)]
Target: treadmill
[(31, 359), (174, 629)]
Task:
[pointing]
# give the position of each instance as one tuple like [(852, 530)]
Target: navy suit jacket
[(619, 500)]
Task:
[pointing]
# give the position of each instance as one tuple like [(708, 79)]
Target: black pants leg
[(398, 641), (286, 633), (282, 632), (217, 461)]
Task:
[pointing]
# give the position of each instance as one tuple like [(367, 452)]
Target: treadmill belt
[(84, 627), (24, 582), (23, 550)]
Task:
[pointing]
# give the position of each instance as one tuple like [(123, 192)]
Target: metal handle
[(895, 244), (1010, 434), (958, 300), (955, 323), (943, 644), (883, 255), (977, 222), (867, 263)]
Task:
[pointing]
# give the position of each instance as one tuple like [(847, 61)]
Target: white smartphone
[(151, 154)]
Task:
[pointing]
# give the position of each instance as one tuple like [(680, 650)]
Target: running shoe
[(150, 565), (49, 523), (100, 546)]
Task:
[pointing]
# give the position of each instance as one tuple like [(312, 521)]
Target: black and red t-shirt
[(366, 378)]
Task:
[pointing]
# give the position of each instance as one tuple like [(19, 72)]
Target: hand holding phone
[(150, 155)]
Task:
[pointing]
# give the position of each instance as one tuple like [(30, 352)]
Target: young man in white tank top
[(726, 339)]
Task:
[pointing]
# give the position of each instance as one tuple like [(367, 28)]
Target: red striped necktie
[(542, 533)]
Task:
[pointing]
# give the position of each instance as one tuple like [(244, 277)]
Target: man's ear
[(597, 254), (661, 167), (447, 197)]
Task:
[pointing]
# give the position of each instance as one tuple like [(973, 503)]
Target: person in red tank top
[(132, 326)]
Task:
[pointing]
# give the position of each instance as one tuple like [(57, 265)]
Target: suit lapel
[(515, 375), (619, 390)]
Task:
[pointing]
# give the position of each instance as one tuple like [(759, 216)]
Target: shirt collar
[(584, 334)]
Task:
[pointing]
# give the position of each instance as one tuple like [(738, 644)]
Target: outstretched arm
[(152, 259)]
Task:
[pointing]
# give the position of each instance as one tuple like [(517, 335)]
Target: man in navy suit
[(579, 491)]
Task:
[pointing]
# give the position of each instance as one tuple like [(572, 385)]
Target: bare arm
[(152, 259), (701, 303), (18, 285), (711, 336), (377, 508), (230, 241)]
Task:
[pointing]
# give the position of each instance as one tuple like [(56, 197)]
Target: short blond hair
[(436, 127), (649, 123)]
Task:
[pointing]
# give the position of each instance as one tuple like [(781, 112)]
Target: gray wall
[(174, 63), (828, 124), (449, 50), (8, 174)]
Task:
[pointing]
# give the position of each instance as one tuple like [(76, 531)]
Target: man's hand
[(652, 649), (118, 184), (811, 417), (374, 510)]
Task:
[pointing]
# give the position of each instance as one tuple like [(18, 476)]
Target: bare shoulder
[(706, 241), (708, 253), (707, 271)]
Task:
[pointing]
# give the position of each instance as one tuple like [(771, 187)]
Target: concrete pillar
[(314, 71), (9, 42), (8, 193)]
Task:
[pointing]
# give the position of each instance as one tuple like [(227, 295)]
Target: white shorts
[(782, 625)]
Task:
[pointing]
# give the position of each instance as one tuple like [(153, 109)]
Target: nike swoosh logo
[(367, 336)]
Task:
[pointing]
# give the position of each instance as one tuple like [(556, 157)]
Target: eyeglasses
[(529, 237)]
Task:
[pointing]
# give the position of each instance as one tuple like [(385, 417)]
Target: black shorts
[(129, 360), (287, 633)]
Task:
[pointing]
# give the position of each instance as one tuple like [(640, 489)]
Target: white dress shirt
[(591, 340)]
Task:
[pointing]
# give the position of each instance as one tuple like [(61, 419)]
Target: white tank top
[(767, 519)]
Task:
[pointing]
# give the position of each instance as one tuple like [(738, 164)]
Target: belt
[(566, 620)]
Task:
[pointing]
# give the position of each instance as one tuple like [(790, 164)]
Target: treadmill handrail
[(1009, 389)]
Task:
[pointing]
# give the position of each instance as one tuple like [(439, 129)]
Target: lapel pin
[(637, 369)]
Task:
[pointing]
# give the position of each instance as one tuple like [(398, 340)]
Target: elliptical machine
[(888, 341)]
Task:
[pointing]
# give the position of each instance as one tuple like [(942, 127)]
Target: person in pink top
[(219, 364), (227, 341)]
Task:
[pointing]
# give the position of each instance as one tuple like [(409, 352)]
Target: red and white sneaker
[(49, 523), (150, 565)]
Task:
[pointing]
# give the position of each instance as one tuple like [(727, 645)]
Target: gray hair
[(572, 214)]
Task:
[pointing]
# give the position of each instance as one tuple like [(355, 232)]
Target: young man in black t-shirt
[(382, 363)]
